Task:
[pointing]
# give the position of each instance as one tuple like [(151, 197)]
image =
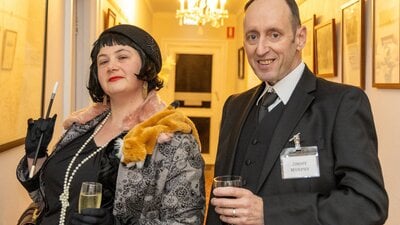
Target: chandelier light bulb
[(200, 12)]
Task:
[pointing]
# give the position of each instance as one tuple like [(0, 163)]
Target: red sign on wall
[(230, 32)]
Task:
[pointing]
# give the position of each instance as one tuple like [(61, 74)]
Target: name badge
[(299, 162)]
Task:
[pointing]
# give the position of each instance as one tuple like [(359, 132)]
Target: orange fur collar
[(140, 141), (150, 106)]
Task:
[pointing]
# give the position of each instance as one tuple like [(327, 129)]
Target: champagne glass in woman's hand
[(89, 211), (90, 196)]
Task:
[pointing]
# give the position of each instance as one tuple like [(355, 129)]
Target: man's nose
[(262, 46)]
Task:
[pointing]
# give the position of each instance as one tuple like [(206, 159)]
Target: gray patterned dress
[(168, 189)]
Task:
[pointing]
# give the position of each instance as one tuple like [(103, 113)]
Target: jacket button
[(248, 162), (254, 142)]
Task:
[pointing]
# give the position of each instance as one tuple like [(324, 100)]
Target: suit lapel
[(299, 102)]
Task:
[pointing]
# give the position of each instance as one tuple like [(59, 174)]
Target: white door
[(208, 116)]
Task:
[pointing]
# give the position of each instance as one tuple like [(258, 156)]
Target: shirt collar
[(285, 87)]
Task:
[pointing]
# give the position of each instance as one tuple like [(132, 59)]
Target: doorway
[(194, 80)]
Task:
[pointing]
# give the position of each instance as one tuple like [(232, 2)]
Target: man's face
[(273, 49)]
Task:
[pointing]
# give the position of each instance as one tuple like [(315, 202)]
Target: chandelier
[(201, 12)]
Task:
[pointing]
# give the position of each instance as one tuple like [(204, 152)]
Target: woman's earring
[(105, 100), (144, 90)]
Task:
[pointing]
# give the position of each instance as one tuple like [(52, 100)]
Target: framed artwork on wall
[(241, 63), (386, 48), (22, 68), (308, 50), (111, 19), (325, 54), (353, 38), (8, 49)]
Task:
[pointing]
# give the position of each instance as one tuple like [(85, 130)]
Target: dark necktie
[(266, 101)]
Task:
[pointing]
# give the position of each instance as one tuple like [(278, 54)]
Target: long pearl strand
[(64, 197)]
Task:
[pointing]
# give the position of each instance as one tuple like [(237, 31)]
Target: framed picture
[(241, 63), (8, 52), (22, 67), (353, 59), (111, 19), (308, 50), (385, 49), (325, 54)]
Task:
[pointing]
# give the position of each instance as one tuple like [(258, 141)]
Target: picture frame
[(8, 50), (309, 48), (23, 62), (325, 52), (385, 49), (241, 63), (111, 19), (353, 39)]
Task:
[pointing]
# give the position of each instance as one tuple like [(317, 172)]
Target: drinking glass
[(227, 181), (90, 196)]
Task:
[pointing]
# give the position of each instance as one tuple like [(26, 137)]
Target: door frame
[(218, 49)]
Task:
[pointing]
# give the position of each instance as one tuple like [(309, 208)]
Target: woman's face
[(117, 66)]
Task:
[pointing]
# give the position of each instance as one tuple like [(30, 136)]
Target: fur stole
[(160, 128), (150, 106), (149, 124)]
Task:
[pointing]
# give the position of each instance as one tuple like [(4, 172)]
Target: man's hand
[(238, 206)]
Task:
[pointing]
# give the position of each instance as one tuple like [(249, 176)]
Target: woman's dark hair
[(148, 72)]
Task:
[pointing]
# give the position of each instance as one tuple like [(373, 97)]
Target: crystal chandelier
[(201, 12)]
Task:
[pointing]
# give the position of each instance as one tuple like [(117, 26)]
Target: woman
[(145, 155)]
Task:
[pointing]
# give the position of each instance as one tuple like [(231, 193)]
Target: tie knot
[(269, 98)]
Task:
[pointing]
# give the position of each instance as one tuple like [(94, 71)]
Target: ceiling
[(172, 5), (233, 6)]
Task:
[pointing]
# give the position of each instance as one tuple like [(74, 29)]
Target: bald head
[(294, 9)]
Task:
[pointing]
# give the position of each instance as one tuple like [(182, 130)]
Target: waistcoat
[(253, 145)]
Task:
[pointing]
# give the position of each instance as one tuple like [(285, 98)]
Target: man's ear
[(301, 37)]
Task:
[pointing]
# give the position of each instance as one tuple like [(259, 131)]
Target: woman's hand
[(35, 129), (92, 216)]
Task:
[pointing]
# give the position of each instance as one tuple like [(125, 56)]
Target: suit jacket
[(338, 120)]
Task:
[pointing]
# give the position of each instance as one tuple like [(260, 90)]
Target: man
[(312, 158)]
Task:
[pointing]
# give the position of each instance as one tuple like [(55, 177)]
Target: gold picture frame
[(325, 54), (308, 51), (385, 49), (8, 51), (111, 19), (241, 63), (353, 39)]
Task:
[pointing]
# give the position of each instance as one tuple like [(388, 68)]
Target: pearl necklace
[(64, 197)]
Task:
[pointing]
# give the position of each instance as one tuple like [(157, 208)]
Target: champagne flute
[(90, 196)]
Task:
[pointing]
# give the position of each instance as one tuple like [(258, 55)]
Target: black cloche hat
[(140, 37)]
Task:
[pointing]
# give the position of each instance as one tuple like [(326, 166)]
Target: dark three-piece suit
[(335, 118)]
